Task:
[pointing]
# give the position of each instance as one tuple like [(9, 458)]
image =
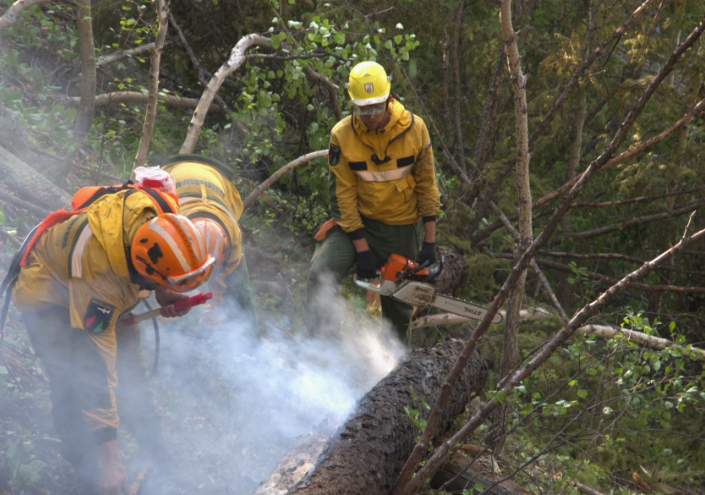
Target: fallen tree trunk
[(366, 454), (30, 184)]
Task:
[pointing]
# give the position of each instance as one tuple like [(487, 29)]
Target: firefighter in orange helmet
[(78, 276)]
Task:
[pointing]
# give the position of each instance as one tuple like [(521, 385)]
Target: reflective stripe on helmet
[(171, 243), (201, 253)]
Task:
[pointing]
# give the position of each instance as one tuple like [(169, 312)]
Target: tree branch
[(543, 355), (237, 58), (142, 98), (276, 175), (25, 205), (123, 54), (640, 199), (542, 278), (155, 61), (487, 231), (635, 221), (554, 265), (13, 12), (418, 480)]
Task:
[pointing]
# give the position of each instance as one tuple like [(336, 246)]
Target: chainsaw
[(412, 283)]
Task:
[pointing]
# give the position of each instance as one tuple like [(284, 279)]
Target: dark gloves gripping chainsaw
[(427, 253), (365, 265)]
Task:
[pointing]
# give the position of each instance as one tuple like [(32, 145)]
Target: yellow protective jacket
[(81, 264), (385, 175), (205, 192)]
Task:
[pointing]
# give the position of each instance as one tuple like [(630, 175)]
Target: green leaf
[(397, 39), (582, 393), (388, 44)]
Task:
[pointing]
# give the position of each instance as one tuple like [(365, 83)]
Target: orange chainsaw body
[(398, 265)]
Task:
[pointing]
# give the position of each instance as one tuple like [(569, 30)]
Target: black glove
[(365, 265), (428, 252)]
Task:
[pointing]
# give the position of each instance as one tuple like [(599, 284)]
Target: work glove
[(365, 265), (428, 252)]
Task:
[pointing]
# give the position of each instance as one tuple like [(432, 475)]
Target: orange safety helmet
[(168, 250), (217, 242)]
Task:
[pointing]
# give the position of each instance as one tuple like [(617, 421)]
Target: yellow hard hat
[(368, 84)]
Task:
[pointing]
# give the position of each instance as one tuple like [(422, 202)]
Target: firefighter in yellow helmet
[(81, 271), (383, 193), (208, 197)]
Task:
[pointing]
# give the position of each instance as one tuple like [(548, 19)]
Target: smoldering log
[(366, 454)]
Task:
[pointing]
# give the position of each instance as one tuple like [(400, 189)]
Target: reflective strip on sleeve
[(384, 176), (77, 256)]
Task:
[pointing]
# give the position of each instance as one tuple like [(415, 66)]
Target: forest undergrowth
[(609, 414)]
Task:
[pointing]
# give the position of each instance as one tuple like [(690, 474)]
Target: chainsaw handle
[(435, 272)]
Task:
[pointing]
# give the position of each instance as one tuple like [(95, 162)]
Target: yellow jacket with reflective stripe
[(202, 189), (82, 259), (399, 191)]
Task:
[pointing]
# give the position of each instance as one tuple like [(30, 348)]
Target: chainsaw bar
[(421, 294)]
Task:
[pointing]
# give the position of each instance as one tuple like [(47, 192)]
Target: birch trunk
[(155, 63)]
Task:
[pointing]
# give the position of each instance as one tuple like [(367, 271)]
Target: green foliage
[(22, 474)]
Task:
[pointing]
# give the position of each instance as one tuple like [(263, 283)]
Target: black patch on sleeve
[(358, 165), (333, 155), (98, 316), (406, 161)]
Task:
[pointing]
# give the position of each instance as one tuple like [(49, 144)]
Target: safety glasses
[(375, 109)]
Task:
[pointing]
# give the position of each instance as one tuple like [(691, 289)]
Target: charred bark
[(367, 453)]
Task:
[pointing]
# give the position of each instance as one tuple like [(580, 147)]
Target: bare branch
[(417, 481), (142, 98), (276, 175), (544, 354), (25, 205), (640, 199), (123, 54), (635, 221), (544, 281), (12, 13), (578, 72), (237, 58), (627, 154), (609, 280)]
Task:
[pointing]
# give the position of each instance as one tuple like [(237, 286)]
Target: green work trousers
[(77, 379), (336, 256)]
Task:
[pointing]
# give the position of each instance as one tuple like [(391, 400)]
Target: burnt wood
[(366, 454)]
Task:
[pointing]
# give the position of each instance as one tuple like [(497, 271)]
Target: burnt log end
[(366, 454)]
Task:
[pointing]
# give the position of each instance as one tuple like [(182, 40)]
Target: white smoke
[(267, 392)]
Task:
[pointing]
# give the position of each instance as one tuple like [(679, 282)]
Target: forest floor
[(214, 429), (230, 408)]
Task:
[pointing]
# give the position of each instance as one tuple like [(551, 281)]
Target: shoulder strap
[(159, 200)]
